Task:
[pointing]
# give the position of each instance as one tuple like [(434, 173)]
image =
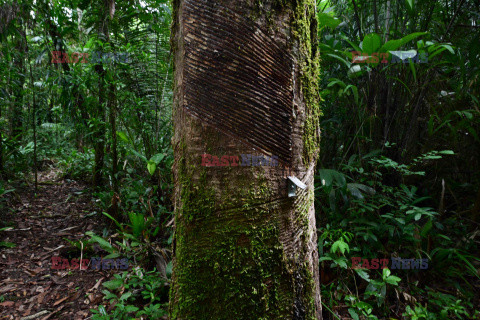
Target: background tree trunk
[(100, 134), (245, 83), (16, 108)]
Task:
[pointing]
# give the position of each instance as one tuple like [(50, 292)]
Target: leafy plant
[(129, 290), (381, 220)]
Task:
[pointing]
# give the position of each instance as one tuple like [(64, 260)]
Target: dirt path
[(29, 288)]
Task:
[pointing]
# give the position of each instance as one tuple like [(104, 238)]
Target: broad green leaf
[(364, 188), (157, 158), (386, 273), (356, 188), (102, 242), (113, 284), (353, 314), (328, 176), (326, 20), (448, 47), (138, 223), (393, 280), (371, 43), (354, 191), (151, 166), (395, 44), (363, 274)]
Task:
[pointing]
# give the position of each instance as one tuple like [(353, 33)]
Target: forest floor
[(29, 287)]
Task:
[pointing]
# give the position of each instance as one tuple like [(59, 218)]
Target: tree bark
[(245, 83), (34, 127), (16, 108), (112, 111), (99, 135)]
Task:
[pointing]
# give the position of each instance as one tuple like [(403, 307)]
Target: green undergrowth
[(360, 215)]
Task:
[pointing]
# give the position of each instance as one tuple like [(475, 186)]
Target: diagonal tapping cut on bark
[(240, 80)]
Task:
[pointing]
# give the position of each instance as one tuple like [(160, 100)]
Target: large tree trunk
[(245, 83)]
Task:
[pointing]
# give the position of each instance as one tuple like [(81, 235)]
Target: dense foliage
[(400, 166)]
